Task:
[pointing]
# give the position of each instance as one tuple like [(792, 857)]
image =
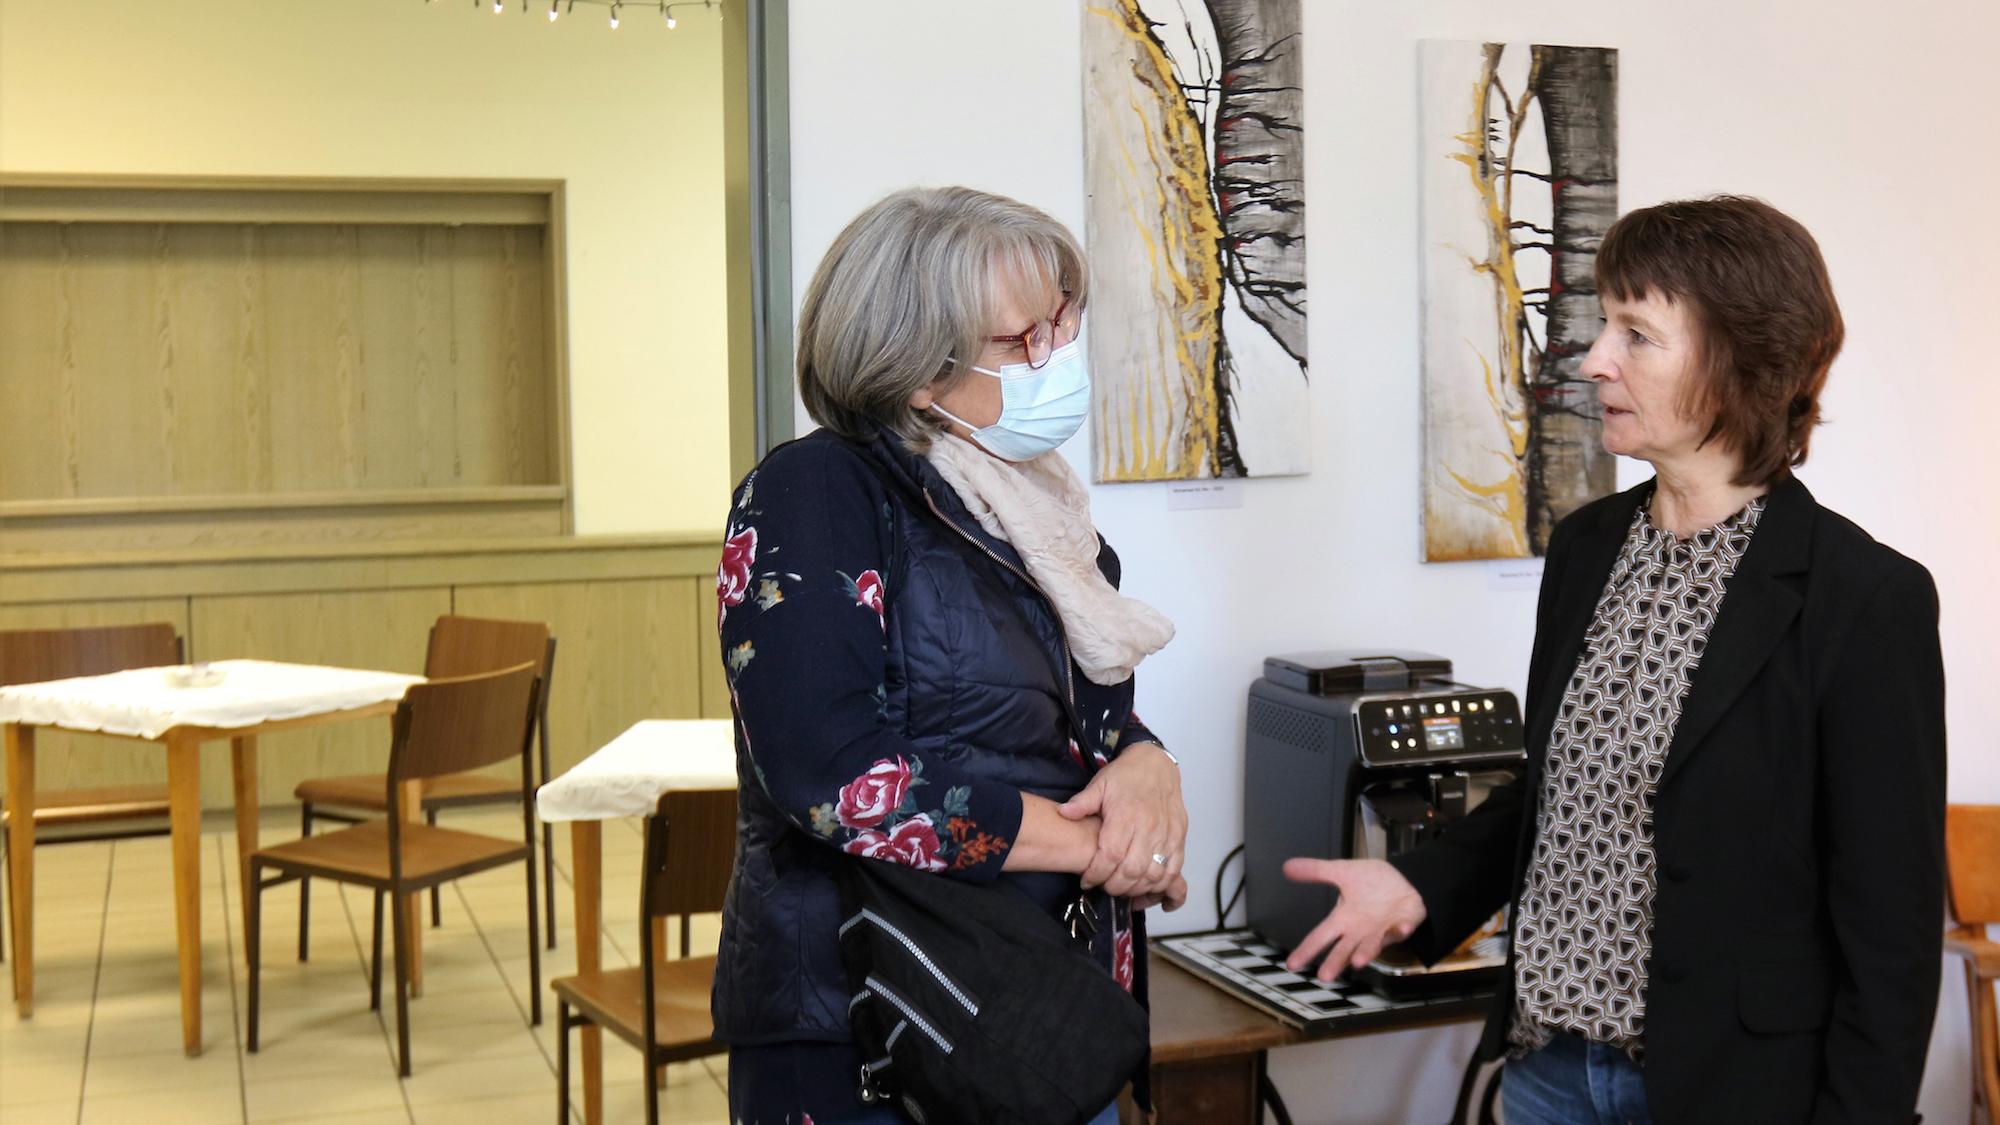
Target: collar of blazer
[(1763, 601)]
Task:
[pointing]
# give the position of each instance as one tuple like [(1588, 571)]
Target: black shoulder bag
[(972, 1006)]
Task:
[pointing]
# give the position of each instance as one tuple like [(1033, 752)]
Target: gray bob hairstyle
[(911, 284)]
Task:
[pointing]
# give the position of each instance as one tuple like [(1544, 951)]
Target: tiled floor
[(104, 1042)]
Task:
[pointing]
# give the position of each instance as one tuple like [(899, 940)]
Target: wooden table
[(625, 778), (1209, 1049), (348, 699)]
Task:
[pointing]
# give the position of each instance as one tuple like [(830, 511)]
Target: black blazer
[(1798, 825)]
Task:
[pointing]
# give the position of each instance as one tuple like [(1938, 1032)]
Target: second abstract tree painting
[(1520, 182)]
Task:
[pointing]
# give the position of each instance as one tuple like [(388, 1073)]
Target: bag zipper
[(964, 1001), (910, 1013)]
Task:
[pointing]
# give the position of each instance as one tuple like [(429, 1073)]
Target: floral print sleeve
[(803, 606), (1136, 732)]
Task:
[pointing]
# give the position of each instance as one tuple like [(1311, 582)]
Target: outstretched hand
[(1377, 907)]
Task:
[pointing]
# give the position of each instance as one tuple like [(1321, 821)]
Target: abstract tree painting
[(1194, 147), (1519, 184)]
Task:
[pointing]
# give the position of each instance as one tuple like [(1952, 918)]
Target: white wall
[(1865, 122)]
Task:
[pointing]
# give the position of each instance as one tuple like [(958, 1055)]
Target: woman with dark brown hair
[(1725, 860)]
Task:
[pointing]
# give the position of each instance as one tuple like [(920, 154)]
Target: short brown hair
[(1757, 289)]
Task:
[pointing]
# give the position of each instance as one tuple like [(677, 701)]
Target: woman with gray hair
[(928, 657)]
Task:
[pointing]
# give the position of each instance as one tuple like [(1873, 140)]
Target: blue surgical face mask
[(1039, 408)]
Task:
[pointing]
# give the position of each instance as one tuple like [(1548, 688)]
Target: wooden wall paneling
[(206, 309), (303, 296), (625, 650), (714, 677), (379, 629), (394, 445), (199, 338), (114, 378), (433, 368), (497, 337), (68, 197), (478, 315), (75, 761), (555, 346), (37, 445), (299, 519), (372, 565), (527, 373), (250, 363)]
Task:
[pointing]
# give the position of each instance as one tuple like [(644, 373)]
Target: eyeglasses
[(1044, 336)]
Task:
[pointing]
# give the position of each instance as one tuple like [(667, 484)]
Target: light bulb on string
[(553, 13), (614, 17)]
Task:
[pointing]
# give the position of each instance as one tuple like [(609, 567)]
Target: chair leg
[(375, 961), (437, 896), (549, 880), (305, 884), (399, 924), (562, 1062), (1986, 1044), (652, 1089), (253, 917), (534, 944), (7, 916)]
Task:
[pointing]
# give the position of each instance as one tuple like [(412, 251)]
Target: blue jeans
[(1573, 1081)]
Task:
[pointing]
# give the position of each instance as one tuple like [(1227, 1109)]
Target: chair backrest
[(453, 725), (468, 646), (1972, 862), (30, 656), (690, 850)]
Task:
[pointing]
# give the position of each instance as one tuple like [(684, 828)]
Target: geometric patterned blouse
[(1583, 931)]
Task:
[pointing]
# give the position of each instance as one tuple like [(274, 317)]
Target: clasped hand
[(1137, 796)]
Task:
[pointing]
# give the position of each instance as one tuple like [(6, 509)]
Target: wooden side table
[(1209, 1049)]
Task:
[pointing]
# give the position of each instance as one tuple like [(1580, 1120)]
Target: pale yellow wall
[(631, 119)]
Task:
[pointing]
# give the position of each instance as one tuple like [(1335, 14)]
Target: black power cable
[(1267, 1093), (1222, 909)]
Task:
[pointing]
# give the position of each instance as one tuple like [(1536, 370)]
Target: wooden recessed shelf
[(205, 361)]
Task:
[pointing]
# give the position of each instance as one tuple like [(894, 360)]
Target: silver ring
[(1159, 859)]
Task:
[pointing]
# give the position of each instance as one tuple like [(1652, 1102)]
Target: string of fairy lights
[(616, 10)]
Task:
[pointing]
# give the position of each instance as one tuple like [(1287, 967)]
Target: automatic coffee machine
[(1364, 754)]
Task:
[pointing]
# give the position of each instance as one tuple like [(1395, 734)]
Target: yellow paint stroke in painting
[(1506, 388), (1181, 233)]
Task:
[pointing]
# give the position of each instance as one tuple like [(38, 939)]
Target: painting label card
[(1204, 494)]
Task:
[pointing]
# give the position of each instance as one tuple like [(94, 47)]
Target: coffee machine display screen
[(1444, 733)]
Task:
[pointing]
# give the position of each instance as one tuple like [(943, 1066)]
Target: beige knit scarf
[(1043, 510)]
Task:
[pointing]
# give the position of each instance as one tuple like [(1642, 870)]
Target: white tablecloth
[(145, 702), (627, 776)]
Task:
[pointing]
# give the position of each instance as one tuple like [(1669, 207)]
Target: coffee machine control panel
[(1437, 725)]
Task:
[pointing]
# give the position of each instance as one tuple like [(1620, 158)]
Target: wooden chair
[(459, 646), (1972, 861), (441, 727), (32, 655), (690, 847)]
